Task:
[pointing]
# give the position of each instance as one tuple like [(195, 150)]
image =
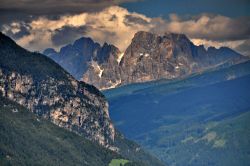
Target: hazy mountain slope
[(85, 60), (200, 120)]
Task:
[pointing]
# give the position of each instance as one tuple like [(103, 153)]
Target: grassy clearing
[(118, 162)]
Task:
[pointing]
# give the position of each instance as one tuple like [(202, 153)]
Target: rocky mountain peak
[(143, 36), (175, 36), (83, 41), (168, 43), (149, 37), (107, 53)]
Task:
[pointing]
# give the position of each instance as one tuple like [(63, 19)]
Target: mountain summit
[(148, 57), (151, 57)]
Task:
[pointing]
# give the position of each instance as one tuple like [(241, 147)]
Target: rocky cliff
[(151, 57), (148, 57), (38, 83)]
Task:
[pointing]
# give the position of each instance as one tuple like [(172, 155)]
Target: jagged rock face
[(85, 60), (104, 71), (42, 86), (151, 57), (148, 57), (78, 57), (75, 57)]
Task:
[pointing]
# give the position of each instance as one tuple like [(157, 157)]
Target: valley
[(198, 120)]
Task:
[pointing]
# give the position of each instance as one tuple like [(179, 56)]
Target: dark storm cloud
[(12, 10), (56, 6), (67, 34)]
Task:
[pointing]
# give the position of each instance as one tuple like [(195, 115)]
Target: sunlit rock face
[(38, 83), (151, 57), (148, 57)]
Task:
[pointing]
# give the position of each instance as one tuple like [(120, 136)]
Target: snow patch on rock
[(120, 57), (97, 68)]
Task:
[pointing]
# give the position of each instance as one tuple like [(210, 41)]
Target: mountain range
[(178, 87), (148, 57), (35, 83)]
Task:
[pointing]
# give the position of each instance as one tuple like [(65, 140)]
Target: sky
[(37, 25)]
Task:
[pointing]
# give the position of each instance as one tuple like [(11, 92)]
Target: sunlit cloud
[(113, 25), (217, 44), (116, 25), (219, 28)]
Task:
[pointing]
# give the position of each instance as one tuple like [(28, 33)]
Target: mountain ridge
[(148, 57)]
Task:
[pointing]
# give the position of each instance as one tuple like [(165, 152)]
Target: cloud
[(59, 38), (116, 25), (218, 44), (58, 6), (244, 48), (14, 10), (17, 30), (208, 30), (209, 27), (113, 25), (131, 19)]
